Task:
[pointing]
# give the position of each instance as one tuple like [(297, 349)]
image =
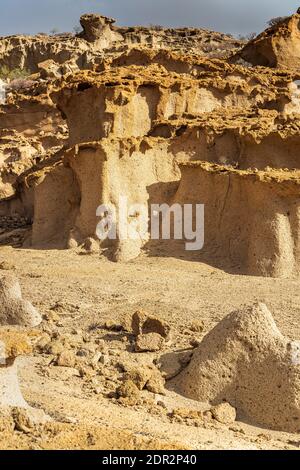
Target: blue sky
[(229, 16)]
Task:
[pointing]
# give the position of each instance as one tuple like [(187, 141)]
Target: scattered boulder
[(151, 333), (139, 376), (156, 383), (148, 378), (150, 342), (128, 393), (91, 246), (142, 323), (247, 362), (224, 413), (27, 420), (13, 309), (66, 359)]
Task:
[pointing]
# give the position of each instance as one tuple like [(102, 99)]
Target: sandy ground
[(84, 291)]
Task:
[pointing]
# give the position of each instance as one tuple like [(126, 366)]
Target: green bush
[(13, 74)]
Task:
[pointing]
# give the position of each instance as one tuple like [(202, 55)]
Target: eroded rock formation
[(99, 34), (246, 361), (151, 125), (278, 46)]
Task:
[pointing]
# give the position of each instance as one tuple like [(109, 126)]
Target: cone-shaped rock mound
[(246, 361)]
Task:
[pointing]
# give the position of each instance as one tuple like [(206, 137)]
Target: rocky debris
[(151, 333), (143, 324), (148, 378), (13, 343), (128, 393), (55, 347), (8, 223), (13, 309), (156, 383), (186, 415), (149, 342), (278, 46), (139, 376), (66, 359), (49, 69), (247, 362), (6, 421), (224, 413), (27, 420), (91, 246)]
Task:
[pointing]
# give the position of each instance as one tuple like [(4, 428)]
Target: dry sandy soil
[(78, 293)]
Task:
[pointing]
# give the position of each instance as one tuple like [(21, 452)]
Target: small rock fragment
[(150, 342), (56, 347), (128, 393), (66, 359), (224, 413), (156, 383), (27, 419), (142, 323), (91, 246), (139, 376)]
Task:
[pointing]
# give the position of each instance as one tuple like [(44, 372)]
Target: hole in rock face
[(84, 86), (112, 84), (181, 130)]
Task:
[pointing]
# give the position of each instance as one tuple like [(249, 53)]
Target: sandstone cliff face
[(278, 46), (31, 129), (86, 50), (250, 219), (156, 126)]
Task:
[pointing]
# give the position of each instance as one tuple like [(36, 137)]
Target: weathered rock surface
[(134, 124), (13, 343), (247, 362), (278, 46), (99, 34)]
